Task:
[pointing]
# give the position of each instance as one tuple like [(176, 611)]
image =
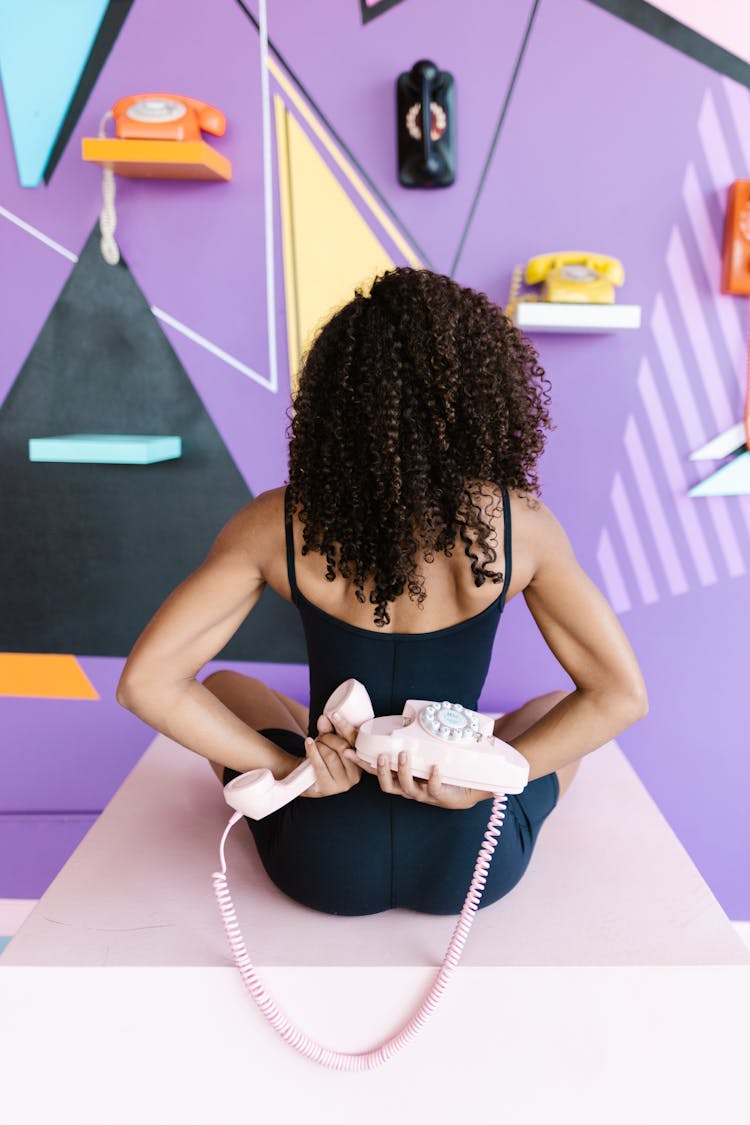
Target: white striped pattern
[(673, 470), (39, 235), (691, 386), (614, 583), (273, 381), (651, 503), (160, 314), (631, 538)]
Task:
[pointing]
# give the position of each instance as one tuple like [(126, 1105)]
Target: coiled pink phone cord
[(361, 1060)]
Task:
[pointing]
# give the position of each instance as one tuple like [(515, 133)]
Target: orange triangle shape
[(44, 676)]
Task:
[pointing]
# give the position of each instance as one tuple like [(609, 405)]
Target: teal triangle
[(732, 479), (44, 45)]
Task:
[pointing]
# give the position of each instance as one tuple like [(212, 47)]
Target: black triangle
[(372, 11), (676, 34), (90, 551), (109, 29)]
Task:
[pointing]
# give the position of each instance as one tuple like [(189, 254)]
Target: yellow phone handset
[(576, 276)]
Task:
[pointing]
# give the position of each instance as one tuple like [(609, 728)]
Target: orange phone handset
[(166, 117), (735, 262)]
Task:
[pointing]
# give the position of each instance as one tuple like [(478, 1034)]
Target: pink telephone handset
[(258, 793), (461, 742), (445, 734)]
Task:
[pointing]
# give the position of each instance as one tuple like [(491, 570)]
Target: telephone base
[(157, 160)]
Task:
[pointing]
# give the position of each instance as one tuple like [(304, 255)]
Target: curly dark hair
[(412, 400)]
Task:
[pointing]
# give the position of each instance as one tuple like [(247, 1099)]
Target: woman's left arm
[(583, 632)]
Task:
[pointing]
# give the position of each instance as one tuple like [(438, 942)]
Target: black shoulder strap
[(290, 570), (506, 544)]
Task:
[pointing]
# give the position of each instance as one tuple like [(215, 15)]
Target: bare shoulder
[(257, 529), (539, 541), (534, 517)]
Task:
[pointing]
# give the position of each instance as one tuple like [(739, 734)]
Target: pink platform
[(608, 884), (610, 970)]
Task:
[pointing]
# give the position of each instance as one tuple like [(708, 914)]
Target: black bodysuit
[(365, 851)]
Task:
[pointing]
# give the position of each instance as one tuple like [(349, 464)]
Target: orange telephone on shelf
[(159, 136), (735, 262), (166, 117), (575, 276)]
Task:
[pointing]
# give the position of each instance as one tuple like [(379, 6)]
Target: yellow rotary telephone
[(575, 276)]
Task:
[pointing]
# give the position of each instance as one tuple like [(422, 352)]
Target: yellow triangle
[(328, 247)]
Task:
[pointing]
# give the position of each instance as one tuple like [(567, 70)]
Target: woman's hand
[(333, 772), (432, 791), (338, 724)]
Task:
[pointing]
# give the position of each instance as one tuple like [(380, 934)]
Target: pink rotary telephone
[(445, 734), (462, 744)]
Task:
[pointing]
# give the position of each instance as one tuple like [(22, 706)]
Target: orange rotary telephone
[(733, 477), (166, 117), (735, 262), (157, 136), (735, 272)]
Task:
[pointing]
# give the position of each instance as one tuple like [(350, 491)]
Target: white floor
[(14, 911), (743, 929)]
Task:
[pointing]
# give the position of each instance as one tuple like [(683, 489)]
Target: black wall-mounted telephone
[(426, 157)]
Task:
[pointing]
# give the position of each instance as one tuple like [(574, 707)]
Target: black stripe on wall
[(397, 220), (495, 138), (678, 35), (370, 11), (109, 29)]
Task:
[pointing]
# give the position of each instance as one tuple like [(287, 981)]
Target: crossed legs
[(256, 704)]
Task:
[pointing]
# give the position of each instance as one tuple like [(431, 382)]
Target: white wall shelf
[(550, 316)]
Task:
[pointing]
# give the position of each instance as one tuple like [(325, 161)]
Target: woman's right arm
[(194, 623)]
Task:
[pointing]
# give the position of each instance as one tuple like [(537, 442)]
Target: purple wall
[(612, 141)]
